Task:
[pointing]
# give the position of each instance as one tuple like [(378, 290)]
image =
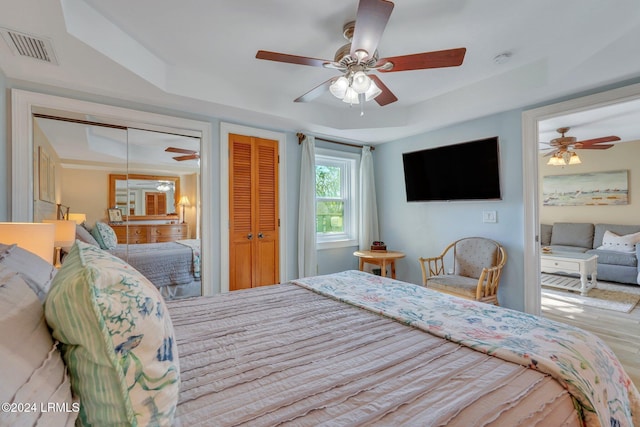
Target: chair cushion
[(474, 254), (454, 284), (117, 340), (32, 371)]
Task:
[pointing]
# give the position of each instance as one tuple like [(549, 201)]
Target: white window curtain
[(307, 256), (369, 231)]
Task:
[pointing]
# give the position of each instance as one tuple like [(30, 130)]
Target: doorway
[(531, 193)]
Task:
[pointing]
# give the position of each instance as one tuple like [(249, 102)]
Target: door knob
[(260, 235), (249, 236)]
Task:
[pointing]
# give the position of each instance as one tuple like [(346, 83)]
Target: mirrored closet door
[(134, 192)]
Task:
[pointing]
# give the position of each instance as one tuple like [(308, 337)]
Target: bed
[(338, 350), (173, 267), (343, 349)]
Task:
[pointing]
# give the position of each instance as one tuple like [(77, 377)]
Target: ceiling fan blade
[(179, 150), (315, 92), (189, 157), (371, 20), (421, 61), (386, 97), (594, 147), (290, 59), (590, 142)]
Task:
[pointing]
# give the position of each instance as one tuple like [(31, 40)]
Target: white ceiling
[(199, 56)]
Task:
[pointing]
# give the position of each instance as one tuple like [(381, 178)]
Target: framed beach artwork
[(586, 189)]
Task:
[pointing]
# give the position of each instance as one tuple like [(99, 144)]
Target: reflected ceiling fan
[(186, 154), (360, 56), (563, 147)]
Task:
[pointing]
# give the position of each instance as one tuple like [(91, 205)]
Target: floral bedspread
[(579, 360)]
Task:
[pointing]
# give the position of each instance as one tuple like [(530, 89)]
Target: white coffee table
[(568, 262)]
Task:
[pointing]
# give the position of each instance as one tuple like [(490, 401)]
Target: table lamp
[(184, 201), (65, 235), (34, 237), (78, 218)]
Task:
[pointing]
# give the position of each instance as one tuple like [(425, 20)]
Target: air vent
[(30, 46)]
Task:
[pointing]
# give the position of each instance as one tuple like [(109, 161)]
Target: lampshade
[(184, 201), (351, 96), (65, 233), (78, 218), (33, 237), (361, 82), (574, 159)]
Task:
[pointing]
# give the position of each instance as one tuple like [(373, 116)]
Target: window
[(336, 198)]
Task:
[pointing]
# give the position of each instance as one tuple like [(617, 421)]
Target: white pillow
[(612, 242)]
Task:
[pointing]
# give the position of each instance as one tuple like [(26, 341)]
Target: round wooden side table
[(380, 258)]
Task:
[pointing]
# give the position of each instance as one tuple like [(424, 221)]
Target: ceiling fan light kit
[(564, 146), (360, 56)]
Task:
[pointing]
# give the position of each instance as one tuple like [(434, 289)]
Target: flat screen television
[(465, 171)]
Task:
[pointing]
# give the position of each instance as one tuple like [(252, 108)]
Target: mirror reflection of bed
[(95, 168)]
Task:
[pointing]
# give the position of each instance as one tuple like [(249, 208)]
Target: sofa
[(616, 246)]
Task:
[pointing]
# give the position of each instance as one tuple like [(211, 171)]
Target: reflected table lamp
[(65, 236), (78, 218), (184, 202), (34, 237)]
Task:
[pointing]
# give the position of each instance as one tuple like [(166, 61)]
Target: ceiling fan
[(360, 56), (563, 146), (187, 154), (564, 143)]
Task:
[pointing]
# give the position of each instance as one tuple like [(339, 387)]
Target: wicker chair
[(477, 266)]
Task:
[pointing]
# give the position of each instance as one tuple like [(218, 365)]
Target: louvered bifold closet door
[(253, 212), (266, 272)]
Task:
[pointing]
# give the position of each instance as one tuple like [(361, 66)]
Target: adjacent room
[(358, 212)]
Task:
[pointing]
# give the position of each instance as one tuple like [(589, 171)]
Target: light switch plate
[(489, 216)]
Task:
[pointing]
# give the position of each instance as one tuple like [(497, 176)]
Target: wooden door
[(155, 203), (253, 212)]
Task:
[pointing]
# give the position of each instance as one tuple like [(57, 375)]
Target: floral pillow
[(105, 236), (117, 340), (612, 242)]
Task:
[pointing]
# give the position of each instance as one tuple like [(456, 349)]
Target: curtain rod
[(301, 136)]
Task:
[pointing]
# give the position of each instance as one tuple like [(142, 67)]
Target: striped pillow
[(118, 340), (32, 373)]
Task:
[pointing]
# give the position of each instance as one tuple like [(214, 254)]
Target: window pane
[(327, 181), (329, 217)]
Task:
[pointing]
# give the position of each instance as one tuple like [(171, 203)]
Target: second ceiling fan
[(360, 56), (187, 154)]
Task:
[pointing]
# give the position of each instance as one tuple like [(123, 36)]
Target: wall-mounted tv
[(465, 171)]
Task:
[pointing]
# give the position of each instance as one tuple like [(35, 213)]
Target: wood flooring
[(621, 331)]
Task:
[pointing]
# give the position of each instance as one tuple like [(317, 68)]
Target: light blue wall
[(425, 228)]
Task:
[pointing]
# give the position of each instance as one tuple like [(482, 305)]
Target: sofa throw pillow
[(32, 371), (36, 272), (613, 242), (117, 340), (104, 235)]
